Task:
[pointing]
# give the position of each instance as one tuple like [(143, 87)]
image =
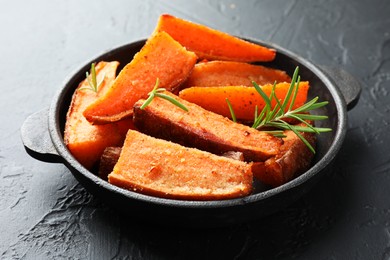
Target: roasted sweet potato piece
[(203, 129), (293, 158), (230, 73), (161, 57), (160, 168), (211, 44), (111, 155), (108, 160), (243, 99), (87, 142)]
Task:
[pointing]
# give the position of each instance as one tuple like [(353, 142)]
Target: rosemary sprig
[(157, 92), (275, 117), (92, 81)]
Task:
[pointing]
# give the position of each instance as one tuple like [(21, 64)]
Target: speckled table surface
[(46, 214)]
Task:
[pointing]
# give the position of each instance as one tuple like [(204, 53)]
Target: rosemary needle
[(157, 92), (231, 110)]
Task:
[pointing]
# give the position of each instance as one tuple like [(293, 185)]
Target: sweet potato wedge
[(211, 44), (231, 73), (86, 142), (203, 129), (293, 158), (164, 169), (161, 57), (111, 155), (243, 99)]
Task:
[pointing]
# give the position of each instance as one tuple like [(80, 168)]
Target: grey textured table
[(46, 214)]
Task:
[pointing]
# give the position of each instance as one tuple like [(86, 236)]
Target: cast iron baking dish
[(42, 135)]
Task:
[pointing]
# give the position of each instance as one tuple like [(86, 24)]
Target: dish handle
[(349, 86), (36, 138)]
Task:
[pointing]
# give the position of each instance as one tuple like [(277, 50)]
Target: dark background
[(46, 214)]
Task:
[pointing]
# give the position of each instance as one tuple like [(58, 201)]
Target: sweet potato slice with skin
[(86, 142), (230, 73), (293, 158), (161, 57), (203, 129), (111, 155), (164, 169), (212, 44), (243, 99)]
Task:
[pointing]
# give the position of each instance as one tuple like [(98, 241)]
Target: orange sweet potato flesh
[(85, 141), (211, 44), (203, 129), (161, 57), (231, 73), (164, 169), (243, 99), (293, 158)]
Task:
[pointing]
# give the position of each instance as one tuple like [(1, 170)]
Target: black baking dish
[(42, 135)]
